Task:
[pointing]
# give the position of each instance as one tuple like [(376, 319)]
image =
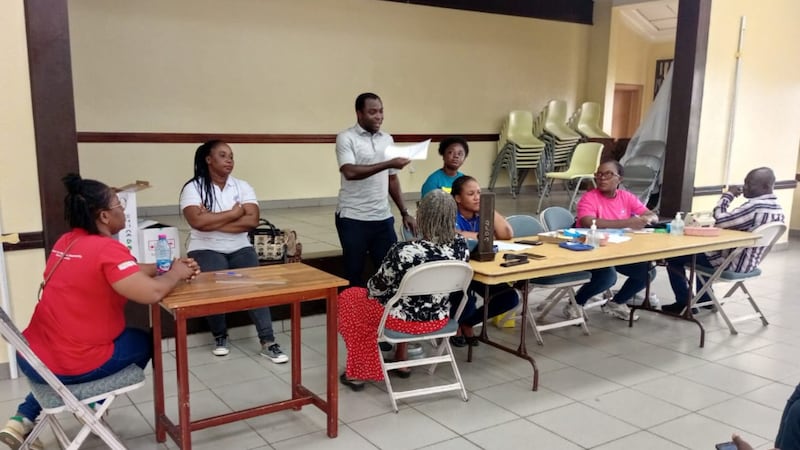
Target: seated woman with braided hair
[(360, 309), (78, 327)]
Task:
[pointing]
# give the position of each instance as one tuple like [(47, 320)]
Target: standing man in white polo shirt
[(364, 219)]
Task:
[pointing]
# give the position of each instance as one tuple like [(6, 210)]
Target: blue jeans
[(789, 429), (676, 270), (133, 346), (503, 298), (359, 238), (211, 261), (602, 279)]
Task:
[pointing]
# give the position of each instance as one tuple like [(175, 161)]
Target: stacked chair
[(586, 121), (582, 167), (643, 170), (518, 151), (560, 140)]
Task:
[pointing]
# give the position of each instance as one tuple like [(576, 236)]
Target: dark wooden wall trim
[(27, 241), (249, 138), (717, 189), (576, 11), (53, 107), (691, 42)]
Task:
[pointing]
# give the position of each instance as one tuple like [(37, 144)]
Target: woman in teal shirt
[(454, 151)]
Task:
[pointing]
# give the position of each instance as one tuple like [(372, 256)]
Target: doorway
[(627, 110)]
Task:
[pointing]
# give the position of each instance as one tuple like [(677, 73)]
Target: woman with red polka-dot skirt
[(359, 318), (360, 310)]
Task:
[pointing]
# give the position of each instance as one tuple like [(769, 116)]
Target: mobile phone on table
[(726, 446), (534, 255), (514, 262), (528, 242)]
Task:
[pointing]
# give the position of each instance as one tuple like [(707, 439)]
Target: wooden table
[(257, 287), (558, 261)]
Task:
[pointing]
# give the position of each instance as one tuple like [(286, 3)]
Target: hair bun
[(73, 183)]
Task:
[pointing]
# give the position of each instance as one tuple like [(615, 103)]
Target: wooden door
[(627, 110)]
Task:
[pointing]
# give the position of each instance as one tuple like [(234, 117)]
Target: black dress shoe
[(355, 385), (401, 373), (677, 309), (458, 341), (472, 341), (385, 346)]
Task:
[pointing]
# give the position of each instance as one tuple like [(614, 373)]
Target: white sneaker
[(638, 299), (619, 311), (571, 311), (15, 432), (221, 346)]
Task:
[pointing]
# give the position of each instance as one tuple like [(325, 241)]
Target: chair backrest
[(586, 158), (769, 235), (556, 121), (525, 225), (589, 121), (520, 129), (432, 278), (652, 148), (557, 218)]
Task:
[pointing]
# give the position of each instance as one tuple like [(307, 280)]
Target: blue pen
[(228, 274)]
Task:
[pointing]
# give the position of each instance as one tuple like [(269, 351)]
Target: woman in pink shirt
[(610, 207)]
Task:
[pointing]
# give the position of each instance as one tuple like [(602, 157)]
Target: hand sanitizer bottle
[(591, 238), (677, 225)]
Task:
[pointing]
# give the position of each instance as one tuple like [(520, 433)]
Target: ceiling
[(656, 20)]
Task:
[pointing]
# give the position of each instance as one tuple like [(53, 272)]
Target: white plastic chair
[(769, 234), (583, 165), (55, 397), (435, 277)]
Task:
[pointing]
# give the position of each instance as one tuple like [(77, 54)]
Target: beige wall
[(19, 191), (768, 105), (295, 66), (634, 60)]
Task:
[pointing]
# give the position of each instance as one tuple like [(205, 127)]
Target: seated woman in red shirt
[(78, 326)]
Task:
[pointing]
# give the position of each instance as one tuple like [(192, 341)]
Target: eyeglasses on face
[(607, 174), (121, 203)]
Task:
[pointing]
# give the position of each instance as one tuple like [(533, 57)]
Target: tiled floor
[(649, 386)]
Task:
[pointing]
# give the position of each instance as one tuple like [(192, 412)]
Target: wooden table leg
[(158, 373), (297, 367), (182, 357), (331, 306)]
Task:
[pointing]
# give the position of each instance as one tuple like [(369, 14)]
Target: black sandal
[(355, 385)]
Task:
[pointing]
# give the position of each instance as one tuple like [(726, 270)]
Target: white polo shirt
[(366, 199), (219, 241)]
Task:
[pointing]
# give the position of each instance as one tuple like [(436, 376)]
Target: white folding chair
[(55, 397), (431, 278), (768, 235), (561, 285)]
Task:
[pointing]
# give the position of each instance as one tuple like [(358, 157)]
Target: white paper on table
[(617, 238), (503, 246), (413, 151)]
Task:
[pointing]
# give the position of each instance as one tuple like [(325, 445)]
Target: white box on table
[(129, 235)]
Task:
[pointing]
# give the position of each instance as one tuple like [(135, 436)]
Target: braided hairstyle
[(84, 201), (202, 177), (436, 217)]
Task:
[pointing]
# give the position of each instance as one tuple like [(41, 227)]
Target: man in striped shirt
[(761, 207)]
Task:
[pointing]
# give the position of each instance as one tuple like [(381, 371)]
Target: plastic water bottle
[(591, 237), (163, 254), (676, 226)]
